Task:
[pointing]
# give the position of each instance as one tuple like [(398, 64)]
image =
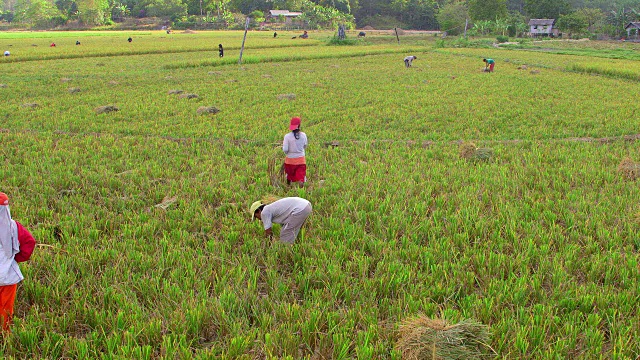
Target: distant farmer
[(275, 34), (489, 64), (293, 145), (289, 212), (220, 50), (7, 53), (16, 245), (409, 60), (52, 44), (362, 34), (305, 35), (77, 42), (129, 39)]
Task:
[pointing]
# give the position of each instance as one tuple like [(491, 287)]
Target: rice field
[(146, 248)]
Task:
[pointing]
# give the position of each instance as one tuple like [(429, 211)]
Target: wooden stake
[(246, 28)]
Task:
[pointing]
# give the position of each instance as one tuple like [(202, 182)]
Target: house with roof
[(633, 28), (542, 27), (287, 16)]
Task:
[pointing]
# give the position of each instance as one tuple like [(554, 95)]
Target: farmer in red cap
[(16, 245), (293, 146)]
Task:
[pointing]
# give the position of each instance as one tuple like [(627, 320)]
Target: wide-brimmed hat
[(295, 123), (255, 207)]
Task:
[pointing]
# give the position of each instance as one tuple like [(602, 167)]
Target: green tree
[(487, 9), (93, 12), (574, 23), (167, 8), (452, 17), (592, 17), (546, 9), (38, 13)]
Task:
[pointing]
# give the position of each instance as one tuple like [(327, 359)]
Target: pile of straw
[(470, 152), (435, 339), (629, 169)]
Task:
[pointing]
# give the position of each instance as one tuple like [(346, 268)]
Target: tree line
[(481, 17)]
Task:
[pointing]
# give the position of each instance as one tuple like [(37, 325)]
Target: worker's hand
[(268, 233)]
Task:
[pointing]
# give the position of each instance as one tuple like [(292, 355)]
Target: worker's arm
[(285, 145), (27, 244)]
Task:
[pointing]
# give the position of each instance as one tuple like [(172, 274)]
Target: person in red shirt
[(16, 245)]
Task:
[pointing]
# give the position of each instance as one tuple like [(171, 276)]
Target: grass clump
[(435, 339)]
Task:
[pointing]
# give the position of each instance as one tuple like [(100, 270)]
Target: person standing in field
[(409, 60), (490, 63), (7, 53), (294, 145), (220, 50), (289, 212), (16, 245)]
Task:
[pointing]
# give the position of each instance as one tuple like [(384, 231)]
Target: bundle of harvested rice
[(470, 152), (203, 110), (74, 90), (435, 339), (106, 109), (175, 92), (629, 169), (189, 96), (286, 97), (275, 169)]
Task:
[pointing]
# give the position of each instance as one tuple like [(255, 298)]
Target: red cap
[(295, 123), (4, 199)]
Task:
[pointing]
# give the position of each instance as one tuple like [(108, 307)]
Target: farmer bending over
[(289, 212), (16, 245), (293, 145), (490, 63), (409, 60)]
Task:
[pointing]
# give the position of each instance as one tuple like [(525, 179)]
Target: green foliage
[(502, 38), (36, 13), (337, 41), (452, 18), (169, 8), (574, 23), (487, 9), (546, 9), (93, 12)]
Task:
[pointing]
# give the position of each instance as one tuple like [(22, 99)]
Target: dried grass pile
[(106, 109), (286, 97), (470, 152), (522, 67), (74, 90), (189, 96), (435, 339), (629, 169), (535, 72), (175, 92), (3, 86), (65, 79), (204, 110), (30, 105)]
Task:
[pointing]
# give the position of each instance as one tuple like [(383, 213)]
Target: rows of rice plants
[(540, 242)]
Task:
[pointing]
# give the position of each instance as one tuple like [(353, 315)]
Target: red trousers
[(7, 299), (296, 173)]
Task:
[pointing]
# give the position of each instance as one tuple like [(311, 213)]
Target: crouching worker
[(289, 212), (17, 245)]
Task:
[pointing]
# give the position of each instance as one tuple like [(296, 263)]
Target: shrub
[(502, 38)]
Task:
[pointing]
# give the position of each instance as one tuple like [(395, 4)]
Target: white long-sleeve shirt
[(282, 210), (292, 147)]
